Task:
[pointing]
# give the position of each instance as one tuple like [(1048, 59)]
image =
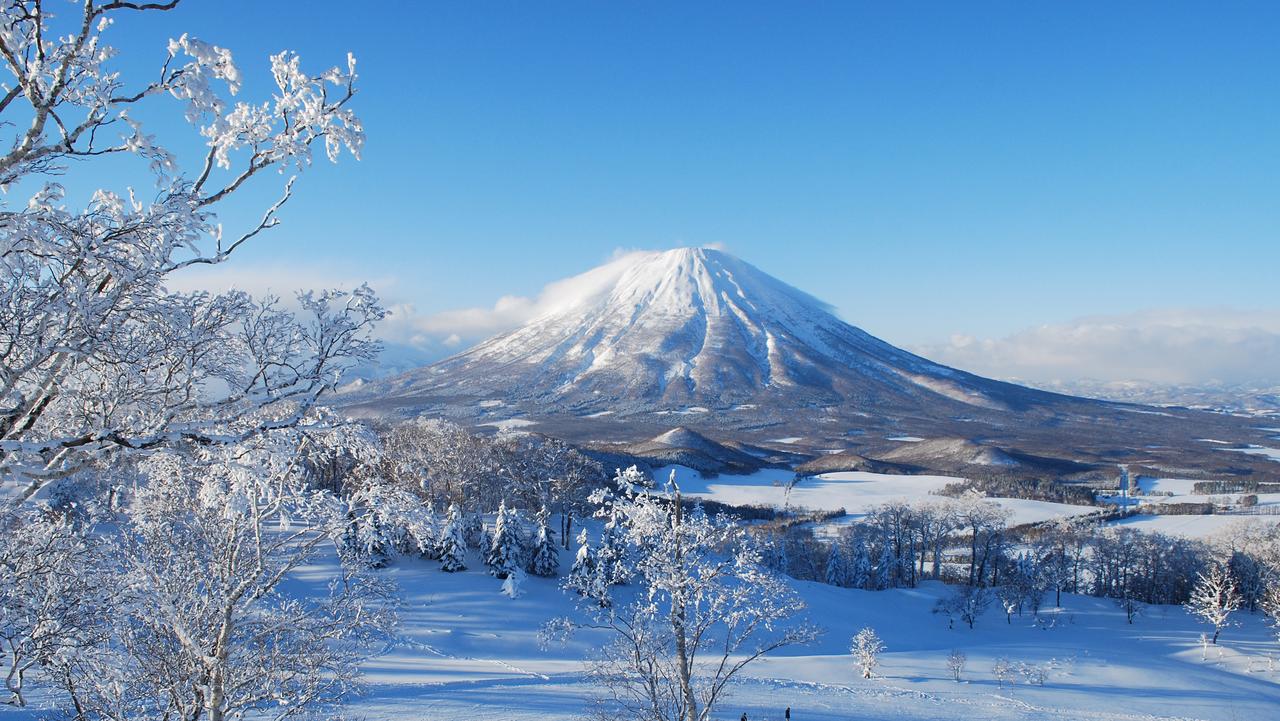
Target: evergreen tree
[(585, 576), (839, 572), (885, 575), (860, 565), (611, 557), (453, 544), (506, 550), (545, 560)]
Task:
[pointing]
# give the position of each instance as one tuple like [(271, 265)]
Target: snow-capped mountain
[(690, 328), (696, 337)]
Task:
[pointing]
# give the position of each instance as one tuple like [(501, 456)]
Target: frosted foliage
[(197, 625), (506, 550), (53, 599), (706, 606), (545, 558), (866, 649), (1214, 599), (453, 544), (99, 357)]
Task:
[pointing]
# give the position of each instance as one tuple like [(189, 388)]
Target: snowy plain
[(854, 491), (470, 652)]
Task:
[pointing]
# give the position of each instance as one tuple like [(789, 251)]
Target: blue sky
[(930, 169)]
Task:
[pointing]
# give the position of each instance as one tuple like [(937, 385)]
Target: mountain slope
[(695, 337), (695, 327)]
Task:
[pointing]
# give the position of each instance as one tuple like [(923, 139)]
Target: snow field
[(471, 653), (855, 491)]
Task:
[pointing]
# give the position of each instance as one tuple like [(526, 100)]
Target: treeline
[(1034, 489), (965, 541), (1219, 487)]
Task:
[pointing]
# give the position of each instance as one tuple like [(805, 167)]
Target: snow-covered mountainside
[(695, 337), (690, 328)]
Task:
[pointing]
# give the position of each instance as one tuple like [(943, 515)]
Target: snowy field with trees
[(189, 532)]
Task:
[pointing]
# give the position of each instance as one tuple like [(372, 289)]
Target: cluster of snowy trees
[(899, 544), (445, 464), (159, 449), (966, 542)]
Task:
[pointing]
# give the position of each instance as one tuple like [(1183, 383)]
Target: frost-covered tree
[(956, 661), (966, 603), (453, 544), (706, 609), (1270, 605), (866, 649), (203, 629), (585, 577), (1214, 599), (984, 522), (386, 521), (98, 357), (545, 558), (55, 596), (506, 551)]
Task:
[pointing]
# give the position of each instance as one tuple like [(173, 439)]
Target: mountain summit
[(695, 337)]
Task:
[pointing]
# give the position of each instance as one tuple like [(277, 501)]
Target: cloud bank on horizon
[(1165, 346)]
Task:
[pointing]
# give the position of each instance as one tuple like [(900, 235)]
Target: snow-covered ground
[(1181, 490), (1192, 526), (471, 653), (854, 491)]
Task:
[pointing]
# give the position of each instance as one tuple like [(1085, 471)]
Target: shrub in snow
[(513, 583), (866, 649), (1002, 671), (955, 663), (1034, 674), (453, 545), (545, 559), (1214, 599)]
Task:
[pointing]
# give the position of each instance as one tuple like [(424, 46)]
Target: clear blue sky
[(928, 168)]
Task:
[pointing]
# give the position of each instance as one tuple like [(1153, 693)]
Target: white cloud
[(1162, 346), (460, 328)]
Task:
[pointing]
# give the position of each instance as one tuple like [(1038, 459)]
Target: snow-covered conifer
[(585, 576), (860, 565), (839, 571), (545, 559), (453, 544), (885, 573), (506, 550), (611, 555)]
